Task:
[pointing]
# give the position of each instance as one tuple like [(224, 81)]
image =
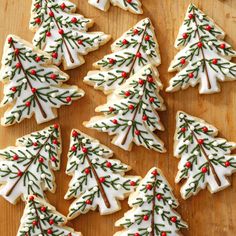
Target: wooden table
[(205, 213)]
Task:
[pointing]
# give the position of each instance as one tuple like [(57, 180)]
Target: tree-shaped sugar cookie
[(134, 49), (204, 57), (41, 218), (131, 112), (205, 159), (97, 180), (62, 33), (152, 211), (31, 84), (28, 168), (133, 6)]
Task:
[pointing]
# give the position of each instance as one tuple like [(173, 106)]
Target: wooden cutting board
[(205, 213)]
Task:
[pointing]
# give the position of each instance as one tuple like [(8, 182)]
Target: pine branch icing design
[(134, 49), (204, 57), (97, 181), (131, 112), (41, 219), (31, 84), (133, 6), (62, 33), (152, 212), (27, 168), (205, 159)]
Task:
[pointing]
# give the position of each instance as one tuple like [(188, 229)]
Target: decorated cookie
[(134, 49), (27, 168), (205, 159), (97, 181), (133, 6), (152, 211), (204, 57), (131, 112), (32, 85), (62, 33), (41, 218)]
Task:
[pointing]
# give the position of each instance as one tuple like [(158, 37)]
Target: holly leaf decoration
[(27, 168), (134, 49), (62, 33), (131, 112), (97, 181), (205, 159), (41, 218), (204, 58), (31, 84), (152, 212), (133, 6)]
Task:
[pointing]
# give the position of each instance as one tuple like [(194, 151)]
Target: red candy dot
[(13, 89), (68, 99), (149, 187), (163, 234), (145, 117), (80, 41), (53, 76), (214, 61), (75, 133), (147, 38), (87, 171), (37, 20), (135, 31), (43, 209), (112, 61), (227, 163), (127, 93), (145, 217), (19, 173), (102, 180), (18, 65), (200, 44), (88, 202), (132, 183), (53, 159), (74, 20), (108, 164), (222, 46), (51, 14), (183, 129), (141, 81), (190, 75), (124, 41), (205, 129), (73, 148), (33, 72), (34, 223), (190, 16), (16, 51), (54, 55), (131, 107), (34, 90), (124, 74), (49, 231), (35, 144), (200, 141), (51, 222), (188, 164), (84, 150), (182, 61), (28, 104), (61, 31), (159, 197), (136, 234), (31, 198), (55, 141), (41, 160), (111, 109), (115, 121), (173, 219), (37, 6), (138, 55), (129, 1), (208, 28), (10, 40), (150, 79), (37, 59), (204, 169), (155, 173), (15, 157), (63, 6), (185, 35), (137, 132), (151, 99), (56, 126)]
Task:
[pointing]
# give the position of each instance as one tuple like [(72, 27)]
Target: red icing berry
[(129, 1), (188, 164), (41, 160), (55, 141), (56, 126), (150, 79), (75, 133), (135, 31), (183, 129), (37, 59), (199, 44), (53, 159), (37, 5), (53, 76), (61, 31), (108, 164), (102, 180), (138, 55), (69, 234), (185, 35), (214, 61), (132, 183), (35, 144), (190, 16), (127, 93), (151, 99), (124, 41), (200, 141), (80, 41), (33, 72), (182, 61), (84, 150), (28, 104), (159, 197), (15, 157), (145, 217), (145, 117), (222, 46), (63, 6), (115, 121), (112, 61), (74, 20), (204, 169), (208, 28), (227, 163), (190, 75), (43, 209), (34, 90), (73, 148), (51, 14), (16, 51), (87, 171), (205, 129), (51, 221), (13, 89), (34, 223), (38, 20), (155, 173), (124, 74), (163, 234), (137, 132), (10, 40), (131, 107), (147, 38), (18, 65), (68, 99), (136, 234), (141, 81), (88, 202), (173, 219), (49, 231), (149, 187), (54, 55), (19, 173), (31, 198), (111, 109)]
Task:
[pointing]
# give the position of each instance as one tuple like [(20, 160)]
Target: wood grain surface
[(206, 214)]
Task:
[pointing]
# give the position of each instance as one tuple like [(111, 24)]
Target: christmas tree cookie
[(134, 49), (40, 218), (97, 181), (62, 33), (152, 211), (206, 160), (204, 58), (28, 168), (32, 85), (131, 112), (133, 6)]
